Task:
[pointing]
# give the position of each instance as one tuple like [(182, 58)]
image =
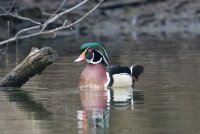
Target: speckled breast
[(93, 76)]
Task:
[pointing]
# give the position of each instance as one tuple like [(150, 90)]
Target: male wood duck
[(98, 72)]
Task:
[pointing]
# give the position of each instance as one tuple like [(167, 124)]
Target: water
[(165, 99)]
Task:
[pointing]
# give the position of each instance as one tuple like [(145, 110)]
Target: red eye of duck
[(89, 50)]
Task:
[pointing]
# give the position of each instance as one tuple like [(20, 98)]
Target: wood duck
[(98, 72)]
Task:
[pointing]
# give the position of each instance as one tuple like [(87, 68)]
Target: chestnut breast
[(93, 75)]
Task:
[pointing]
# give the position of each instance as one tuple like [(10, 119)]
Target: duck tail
[(136, 71)]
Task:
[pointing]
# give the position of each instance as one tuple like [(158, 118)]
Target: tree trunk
[(33, 64)]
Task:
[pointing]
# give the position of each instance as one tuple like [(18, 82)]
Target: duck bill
[(81, 57)]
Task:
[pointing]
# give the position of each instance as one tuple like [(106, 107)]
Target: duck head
[(93, 53)]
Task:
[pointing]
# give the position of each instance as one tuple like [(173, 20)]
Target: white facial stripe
[(104, 58), (96, 61), (106, 55), (105, 51)]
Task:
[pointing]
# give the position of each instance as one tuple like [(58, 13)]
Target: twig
[(74, 23), (8, 35), (25, 30), (53, 18), (16, 15), (62, 27), (52, 15), (6, 12), (62, 13), (11, 6), (17, 52), (24, 18)]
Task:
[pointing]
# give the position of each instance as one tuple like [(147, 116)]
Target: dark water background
[(166, 98)]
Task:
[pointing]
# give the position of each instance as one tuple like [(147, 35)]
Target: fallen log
[(33, 64)]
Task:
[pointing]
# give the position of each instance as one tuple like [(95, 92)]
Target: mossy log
[(33, 64)]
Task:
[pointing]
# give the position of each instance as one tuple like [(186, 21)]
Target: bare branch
[(62, 13), (16, 15), (46, 14), (11, 6), (62, 27), (74, 23), (24, 18), (3, 10), (26, 29), (8, 35), (55, 16), (57, 10)]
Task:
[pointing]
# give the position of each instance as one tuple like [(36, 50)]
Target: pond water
[(165, 99)]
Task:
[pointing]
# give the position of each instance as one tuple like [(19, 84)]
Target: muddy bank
[(126, 19), (161, 19), (170, 19)]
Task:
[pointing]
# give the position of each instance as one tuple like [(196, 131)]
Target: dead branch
[(33, 64), (16, 15), (11, 6), (39, 28)]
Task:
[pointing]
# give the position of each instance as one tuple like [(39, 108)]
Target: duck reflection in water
[(94, 118), (95, 114)]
